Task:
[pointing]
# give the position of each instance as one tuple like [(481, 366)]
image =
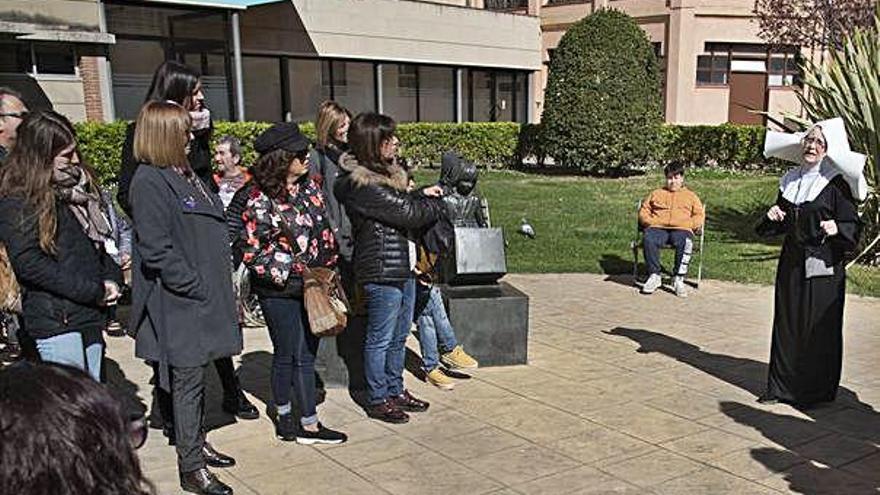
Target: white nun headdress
[(850, 164)]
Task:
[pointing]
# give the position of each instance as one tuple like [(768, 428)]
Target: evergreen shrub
[(603, 102)]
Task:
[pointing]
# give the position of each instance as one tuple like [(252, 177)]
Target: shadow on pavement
[(123, 389), (847, 415)]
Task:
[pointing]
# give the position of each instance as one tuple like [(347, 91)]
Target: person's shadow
[(125, 390), (847, 415)]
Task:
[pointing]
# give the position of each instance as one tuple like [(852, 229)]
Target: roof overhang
[(217, 4), (37, 32)]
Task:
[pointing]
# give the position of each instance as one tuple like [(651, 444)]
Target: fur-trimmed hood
[(363, 176)]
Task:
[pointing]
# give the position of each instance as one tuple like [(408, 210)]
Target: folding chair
[(637, 244)]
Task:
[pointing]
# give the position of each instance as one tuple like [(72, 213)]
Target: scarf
[(75, 189)]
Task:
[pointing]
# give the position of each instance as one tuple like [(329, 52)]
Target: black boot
[(203, 482), (216, 459), (240, 407), (234, 400)]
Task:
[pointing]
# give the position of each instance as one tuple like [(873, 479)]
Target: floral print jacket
[(268, 253)]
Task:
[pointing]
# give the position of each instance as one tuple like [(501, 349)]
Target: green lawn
[(585, 224)]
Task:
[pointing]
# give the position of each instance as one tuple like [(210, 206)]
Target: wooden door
[(748, 91)]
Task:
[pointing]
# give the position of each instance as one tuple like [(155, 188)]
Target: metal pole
[(380, 93), (239, 80), (459, 103)]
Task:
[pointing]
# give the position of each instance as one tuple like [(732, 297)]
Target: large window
[(713, 69), (400, 91), (38, 58), (262, 88), (436, 94), (783, 70), (309, 81), (147, 35), (482, 106), (354, 86)]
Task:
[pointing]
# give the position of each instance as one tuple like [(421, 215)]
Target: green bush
[(488, 144), (727, 146), (602, 103), (100, 145)]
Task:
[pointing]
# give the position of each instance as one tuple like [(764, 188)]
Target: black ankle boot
[(240, 407), (203, 482)]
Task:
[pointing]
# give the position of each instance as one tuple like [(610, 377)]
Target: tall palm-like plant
[(847, 85)]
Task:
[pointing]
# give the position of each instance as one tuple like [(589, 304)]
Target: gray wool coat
[(183, 307)]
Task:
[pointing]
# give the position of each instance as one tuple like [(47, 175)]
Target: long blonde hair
[(161, 134), (331, 115)]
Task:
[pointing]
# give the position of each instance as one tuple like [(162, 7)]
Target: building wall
[(394, 30), (66, 94), (80, 14), (92, 91), (683, 27)]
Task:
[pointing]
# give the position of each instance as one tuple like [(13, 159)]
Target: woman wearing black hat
[(287, 229)]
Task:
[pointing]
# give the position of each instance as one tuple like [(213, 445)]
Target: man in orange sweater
[(670, 215)]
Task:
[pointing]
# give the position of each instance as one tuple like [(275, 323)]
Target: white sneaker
[(652, 284), (679, 287)]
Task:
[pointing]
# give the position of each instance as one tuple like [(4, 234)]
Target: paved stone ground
[(624, 394)]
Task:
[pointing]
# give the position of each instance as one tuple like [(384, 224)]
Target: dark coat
[(383, 218), (183, 307), (235, 223), (199, 159), (62, 293), (324, 163)]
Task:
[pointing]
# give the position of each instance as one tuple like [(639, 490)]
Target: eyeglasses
[(816, 141), (20, 115)]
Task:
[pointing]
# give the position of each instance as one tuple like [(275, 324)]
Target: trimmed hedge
[(488, 144), (729, 146)]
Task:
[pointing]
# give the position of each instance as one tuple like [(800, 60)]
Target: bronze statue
[(458, 177)]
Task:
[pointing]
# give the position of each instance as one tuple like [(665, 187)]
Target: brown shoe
[(407, 402), (387, 412)]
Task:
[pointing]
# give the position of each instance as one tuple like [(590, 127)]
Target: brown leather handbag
[(323, 296), (325, 302), (10, 291)]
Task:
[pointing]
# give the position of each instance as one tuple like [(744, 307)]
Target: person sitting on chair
[(670, 215)]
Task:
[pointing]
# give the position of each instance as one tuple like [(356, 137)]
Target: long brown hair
[(160, 135), (365, 137), (27, 174), (331, 115)]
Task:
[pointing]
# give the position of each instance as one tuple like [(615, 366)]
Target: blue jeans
[(436, 334), (389, 316), (656, 238), (67, 348), (293, 357)]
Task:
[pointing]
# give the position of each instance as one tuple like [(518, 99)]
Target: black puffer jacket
[(61, 293), (383, 215)]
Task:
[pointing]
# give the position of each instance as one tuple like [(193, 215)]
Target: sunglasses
[(20, 115), (137, 432)]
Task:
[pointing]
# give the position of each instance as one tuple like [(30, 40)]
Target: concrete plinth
[(491, 322)]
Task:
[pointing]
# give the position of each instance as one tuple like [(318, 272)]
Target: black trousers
[(188, 395), (226, 372)]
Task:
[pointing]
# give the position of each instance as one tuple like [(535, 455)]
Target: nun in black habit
[(816, 212)]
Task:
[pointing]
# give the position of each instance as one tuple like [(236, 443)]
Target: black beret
[(284, 136)]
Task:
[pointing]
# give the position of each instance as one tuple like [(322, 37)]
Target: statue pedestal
[(490, 321), (340, 359)]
